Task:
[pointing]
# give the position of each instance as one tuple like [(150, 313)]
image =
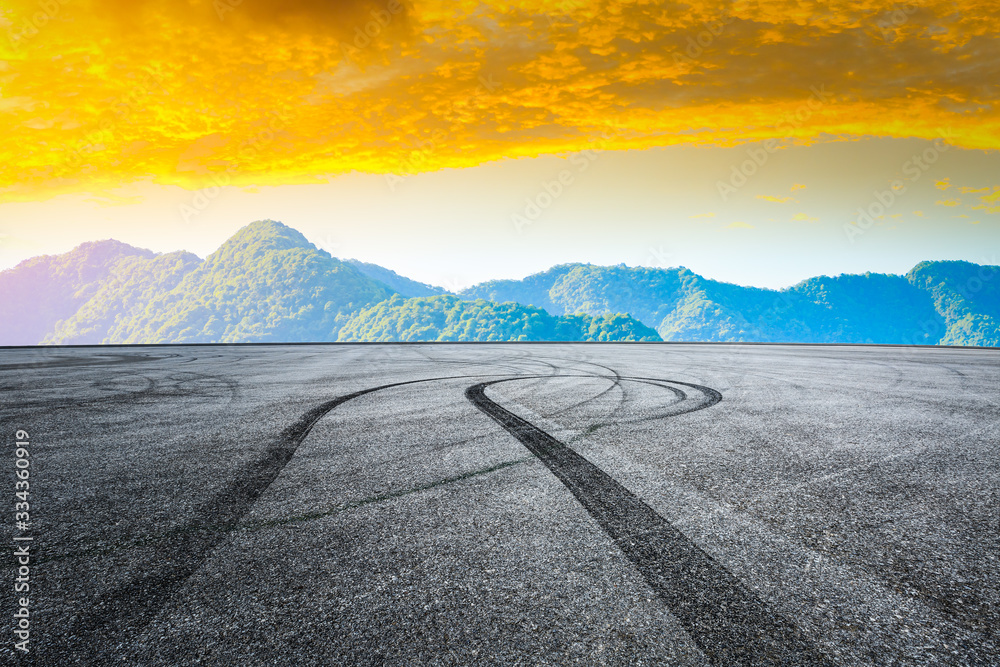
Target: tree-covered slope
[(123, 295), (646, 294), (400, 284), (683, 306), (449, 318), (531, 291), (874, 307), (967, 298), (266, 283), (41, 291)]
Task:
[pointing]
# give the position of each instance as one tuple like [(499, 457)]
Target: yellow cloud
[(703, 216), (739, 224), (776, 200), (107, 92), (965, 190), (943, 184), (991, 199), (949, 202), (797, 186), (802, 217), (919, 214)]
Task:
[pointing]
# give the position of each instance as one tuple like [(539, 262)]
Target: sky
[(754, 142)]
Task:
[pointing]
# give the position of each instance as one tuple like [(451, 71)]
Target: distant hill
[(41, 291), (932, 304), (401, 284), (268, 283), (966, 296), (122, 298), (448, 318)]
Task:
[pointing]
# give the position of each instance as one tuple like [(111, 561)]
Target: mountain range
[(268, 283)]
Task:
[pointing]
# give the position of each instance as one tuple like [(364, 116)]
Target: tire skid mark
[(616, 383), (103, 360), (127, 609), (730, 624)]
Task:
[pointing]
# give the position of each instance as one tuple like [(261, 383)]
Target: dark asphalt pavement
[(618, 504)]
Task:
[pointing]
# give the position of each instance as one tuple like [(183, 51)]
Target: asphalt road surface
[(639, 504)]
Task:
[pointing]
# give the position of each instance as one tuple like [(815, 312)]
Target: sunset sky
[(458, 141)]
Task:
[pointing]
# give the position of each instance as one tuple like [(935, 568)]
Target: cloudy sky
[(755, 142)]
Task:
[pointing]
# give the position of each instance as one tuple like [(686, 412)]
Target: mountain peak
[(89, 253), (261, 236), (270, 230)]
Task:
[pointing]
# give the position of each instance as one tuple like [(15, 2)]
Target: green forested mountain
[(533, 290), (269, 283), (448, 318), (43, 290), (265, 284), (966, 296), (122, 296), (937, 302), (399, 283)]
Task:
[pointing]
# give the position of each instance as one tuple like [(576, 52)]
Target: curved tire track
[(726, 620), (124, 611), (730, 624)]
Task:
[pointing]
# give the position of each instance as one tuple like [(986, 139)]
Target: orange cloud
[(267, 92)]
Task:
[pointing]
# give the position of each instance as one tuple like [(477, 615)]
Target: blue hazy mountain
[(269, 283), (951, 303), (399, 283)]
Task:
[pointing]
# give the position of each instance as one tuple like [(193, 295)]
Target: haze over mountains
[(268, 283)]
